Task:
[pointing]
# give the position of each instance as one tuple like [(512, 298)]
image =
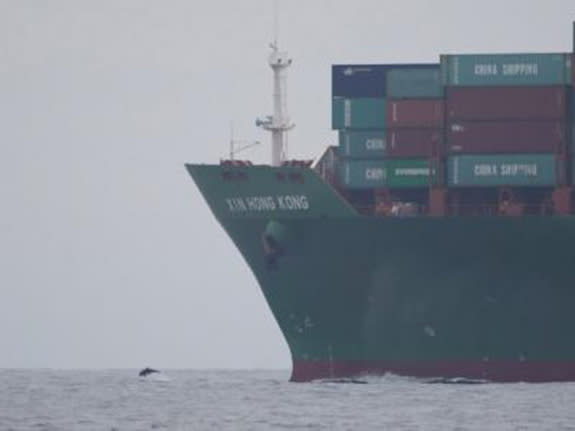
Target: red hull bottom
[(494, 371)]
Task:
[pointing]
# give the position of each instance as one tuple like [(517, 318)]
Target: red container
[(506, 137), (506, 103), (414, 113), (412, 142)]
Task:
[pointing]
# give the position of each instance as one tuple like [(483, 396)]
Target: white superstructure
[(278, 123)]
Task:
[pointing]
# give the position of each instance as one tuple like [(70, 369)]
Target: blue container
[(356, 81), (364, 80)]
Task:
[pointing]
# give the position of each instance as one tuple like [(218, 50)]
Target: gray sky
[(109, 256)]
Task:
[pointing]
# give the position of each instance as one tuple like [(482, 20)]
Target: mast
[(278, 123)]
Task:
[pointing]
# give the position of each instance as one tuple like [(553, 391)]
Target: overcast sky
[(109, 256)]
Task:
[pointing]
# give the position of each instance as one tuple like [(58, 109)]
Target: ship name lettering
[(261, 203), (293, 202), (268, 203), (236, 204)]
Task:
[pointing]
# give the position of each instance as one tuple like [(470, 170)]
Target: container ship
[(436, 238)]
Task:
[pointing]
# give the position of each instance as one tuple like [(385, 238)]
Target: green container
[(571, 129), (535, 170), (370, 144), (362, 113), (506, 69), (414, 83), (400, 173)]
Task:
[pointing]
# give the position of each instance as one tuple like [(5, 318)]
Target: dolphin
[(147, 371)]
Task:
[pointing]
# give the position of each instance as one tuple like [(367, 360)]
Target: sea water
[(119, 400)]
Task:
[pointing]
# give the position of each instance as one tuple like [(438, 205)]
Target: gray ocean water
[(264, 400)]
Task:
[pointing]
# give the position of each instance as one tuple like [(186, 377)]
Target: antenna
[(276, 22), (244, 145), (231, 140), (278, 123)]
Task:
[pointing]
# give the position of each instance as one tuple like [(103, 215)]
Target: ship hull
[(478, 370), (479, 297)]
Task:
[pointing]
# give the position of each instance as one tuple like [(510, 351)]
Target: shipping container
[(371, 144), (379, 144), (358, 81), (414, 113), (506, 137), (483, 170), (506, 103), (363, 113), (410, 83), (366, 174), (571, 128), (506, 69), (413, 142), (364, 80)]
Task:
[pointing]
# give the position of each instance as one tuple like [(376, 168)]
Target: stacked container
[(506, 119), (487, 122), (571, 129), (389, 119)]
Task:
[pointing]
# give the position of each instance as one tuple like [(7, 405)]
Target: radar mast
[(279, 123)]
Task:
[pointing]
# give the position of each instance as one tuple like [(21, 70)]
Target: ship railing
[(504, 209), (396, 209), (297, 163), (412, 209), (235, 163)]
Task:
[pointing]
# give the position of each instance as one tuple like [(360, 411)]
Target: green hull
[(480, 297)]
